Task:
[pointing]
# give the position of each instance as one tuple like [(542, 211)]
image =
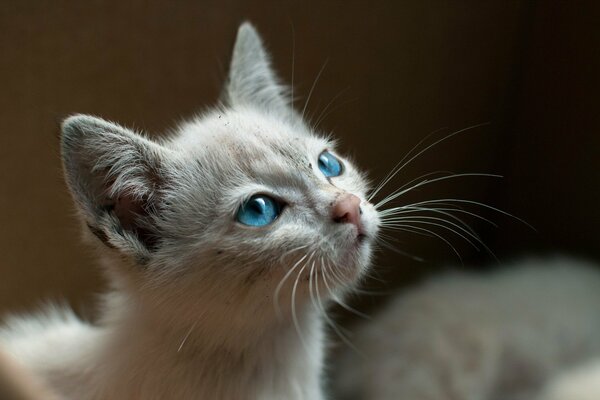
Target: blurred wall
[(393, 72)]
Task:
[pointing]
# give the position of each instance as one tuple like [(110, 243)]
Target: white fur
[(580, 383), (489, 336), (202, 306), (19, 383)]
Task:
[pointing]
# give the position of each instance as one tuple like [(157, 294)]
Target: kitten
[(496, 336), (222, 244)]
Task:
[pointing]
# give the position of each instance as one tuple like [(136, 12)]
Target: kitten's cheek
[(365, 258), (370, 222)]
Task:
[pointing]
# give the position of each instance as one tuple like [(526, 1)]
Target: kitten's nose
[(346, 209)]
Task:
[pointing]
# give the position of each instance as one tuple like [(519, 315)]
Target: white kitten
[(217, 242), (494, 336)]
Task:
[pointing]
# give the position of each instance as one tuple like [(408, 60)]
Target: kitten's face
[(238, 154), (245, 202)]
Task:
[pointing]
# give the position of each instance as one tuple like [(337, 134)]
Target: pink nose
[(346, 209)]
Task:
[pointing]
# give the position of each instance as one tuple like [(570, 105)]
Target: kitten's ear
[(115, 177), (251, 79)]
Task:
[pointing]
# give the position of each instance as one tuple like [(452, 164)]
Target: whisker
[(290, 251), (390, 175), (293, 301), (399, 193), (338, 300), (461, 229), (187, 335), (329, 321), (393, 248), (480, 205), (427, 221), (313, 87), (324, 113), (399, 210), (427, 232), (280, 285), (310, 285), (293, 67), (398, 169), (416, 179), (369, 273), (411, 211)]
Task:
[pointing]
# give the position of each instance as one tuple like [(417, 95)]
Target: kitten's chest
[(281, 368), (271, 383)]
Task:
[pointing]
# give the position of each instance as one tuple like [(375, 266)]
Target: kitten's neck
[(161, 359)]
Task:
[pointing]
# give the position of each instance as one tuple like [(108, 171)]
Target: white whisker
[(403, 165), (386, 244), (336, 298), (293, 305), (329, 321), (447, 210), (293, 69), (280, 285), (313, 87), (418, 211), (324, 113), (399, 193), (450, 200), (427, 221), (187, 335), (390, 175), (428, 232)]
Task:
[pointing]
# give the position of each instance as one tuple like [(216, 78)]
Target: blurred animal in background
[(499, 335)]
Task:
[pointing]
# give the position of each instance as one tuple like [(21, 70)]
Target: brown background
[(395, 71)]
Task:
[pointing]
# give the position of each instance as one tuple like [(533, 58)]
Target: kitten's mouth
[(361, 237)]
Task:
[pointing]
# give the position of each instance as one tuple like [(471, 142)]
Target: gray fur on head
[(171, 205)]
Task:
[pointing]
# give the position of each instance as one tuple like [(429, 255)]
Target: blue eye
[(329, 164), (259, 210)]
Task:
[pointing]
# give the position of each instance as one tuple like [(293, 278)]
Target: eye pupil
[(257, 205), (259, 210), (323, 163), (329, 165)]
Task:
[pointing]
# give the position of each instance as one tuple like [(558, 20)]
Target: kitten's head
[(244, 203)]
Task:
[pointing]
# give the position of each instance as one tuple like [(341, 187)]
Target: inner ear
[(134, 216)]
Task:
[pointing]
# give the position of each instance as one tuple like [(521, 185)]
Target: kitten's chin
[(354, 263), (343, 271)]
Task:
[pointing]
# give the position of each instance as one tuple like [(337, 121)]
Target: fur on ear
[(115, 178), (252, 80)]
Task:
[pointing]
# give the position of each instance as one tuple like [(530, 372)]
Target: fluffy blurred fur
[(501, 335)]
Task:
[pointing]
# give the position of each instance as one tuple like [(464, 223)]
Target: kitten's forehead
[(250, 141)]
